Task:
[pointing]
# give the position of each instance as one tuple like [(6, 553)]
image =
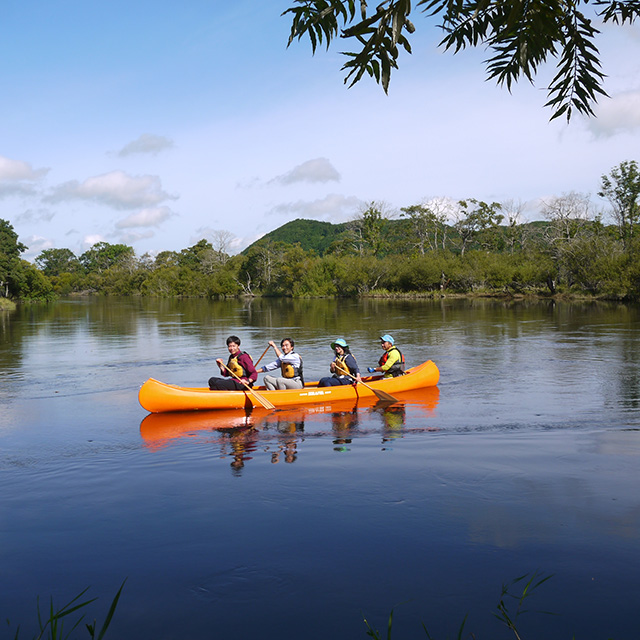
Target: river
[(299, 524)]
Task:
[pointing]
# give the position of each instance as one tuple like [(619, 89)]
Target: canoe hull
[(159, 397)]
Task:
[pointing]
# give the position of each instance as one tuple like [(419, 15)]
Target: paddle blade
[(383, 395)]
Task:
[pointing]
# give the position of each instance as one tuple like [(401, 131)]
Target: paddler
[(391, 364), (290, 364), (239, 367), (343, 367)]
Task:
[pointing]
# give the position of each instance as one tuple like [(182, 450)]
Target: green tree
[(476, 218), (427, 226), (365, 233), (166, 259), (622, 189), (103, 256), (10, 250), (520, 37), (53, 262), (30, 283)]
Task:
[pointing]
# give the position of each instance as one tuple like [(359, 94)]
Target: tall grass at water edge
[(56, 625)]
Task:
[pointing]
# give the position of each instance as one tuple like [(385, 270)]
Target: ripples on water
[(294, 523)]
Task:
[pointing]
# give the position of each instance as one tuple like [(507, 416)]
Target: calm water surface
[(295, 524)]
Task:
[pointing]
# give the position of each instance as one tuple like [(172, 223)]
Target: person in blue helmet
[(344, 366), (392, 362)]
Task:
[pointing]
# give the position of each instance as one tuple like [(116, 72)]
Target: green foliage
[(54, 262), (418, 254), (622, 189), (478, 220), (10, 250), (506, 613), (427, 228), (103, 256), (31, 284), (53, 626), (200, 257), (311, 235), (520, 36)]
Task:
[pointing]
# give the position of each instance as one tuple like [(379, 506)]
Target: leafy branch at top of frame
[(520, 34), (379, 34)]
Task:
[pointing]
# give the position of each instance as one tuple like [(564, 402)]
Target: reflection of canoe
[(157, 429), (159, 397)]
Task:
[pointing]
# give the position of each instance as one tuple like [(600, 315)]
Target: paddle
[(382, 395), (262, 356), (262, 400)]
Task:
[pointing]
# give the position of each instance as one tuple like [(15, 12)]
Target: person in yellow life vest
[(344, 366), (239, 365), (289, 362), (392, 362)]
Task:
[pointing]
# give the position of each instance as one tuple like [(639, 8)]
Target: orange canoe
[(158, 429), (159, 397)]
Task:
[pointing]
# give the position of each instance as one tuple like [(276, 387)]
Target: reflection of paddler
[(394, 417), (243, 443), (290, 426), (290, 449), (344, 420)]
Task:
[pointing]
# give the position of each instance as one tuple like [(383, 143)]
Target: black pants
[(228, 384)]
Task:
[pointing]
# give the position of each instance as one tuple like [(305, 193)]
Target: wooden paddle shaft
[(263, 355), (261, 399), (383, 395)]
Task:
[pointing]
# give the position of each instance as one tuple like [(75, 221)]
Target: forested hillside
[(480, 248)]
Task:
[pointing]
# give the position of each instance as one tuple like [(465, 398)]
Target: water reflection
[(280, 434)]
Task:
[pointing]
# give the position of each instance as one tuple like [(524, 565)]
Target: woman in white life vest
[(290, 364)]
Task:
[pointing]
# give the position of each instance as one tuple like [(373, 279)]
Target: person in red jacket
[(239, 363)]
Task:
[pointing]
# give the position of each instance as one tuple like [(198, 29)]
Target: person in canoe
[(239, 365), (343, 367), (290, 364), (392, 362)]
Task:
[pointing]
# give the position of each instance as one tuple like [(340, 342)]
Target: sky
[(157, 124)]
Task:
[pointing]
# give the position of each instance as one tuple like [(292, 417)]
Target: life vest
[(289, 371), (235, 367), (397, 368), (341, 366)]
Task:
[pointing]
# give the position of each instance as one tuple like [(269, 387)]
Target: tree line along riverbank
[(438, 248)]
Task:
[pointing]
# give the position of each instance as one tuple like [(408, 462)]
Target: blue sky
[(159, 123)]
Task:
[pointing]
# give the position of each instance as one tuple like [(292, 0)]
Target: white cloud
[(131, 237), (146, 143), (35, 245), (150, 217), (316, 170), (17, 178), (619, 114), (332, 207), (89, 240), (115, 189), (16, 171)]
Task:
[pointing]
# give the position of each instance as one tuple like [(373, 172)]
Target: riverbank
[(7, 305)]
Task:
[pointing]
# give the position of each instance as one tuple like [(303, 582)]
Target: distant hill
[(310, 234), (319, 236)]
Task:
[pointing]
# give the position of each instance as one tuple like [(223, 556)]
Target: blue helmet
[(339, 343), (387, 338)]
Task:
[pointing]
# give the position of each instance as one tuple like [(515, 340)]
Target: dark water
[(296, 524)]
